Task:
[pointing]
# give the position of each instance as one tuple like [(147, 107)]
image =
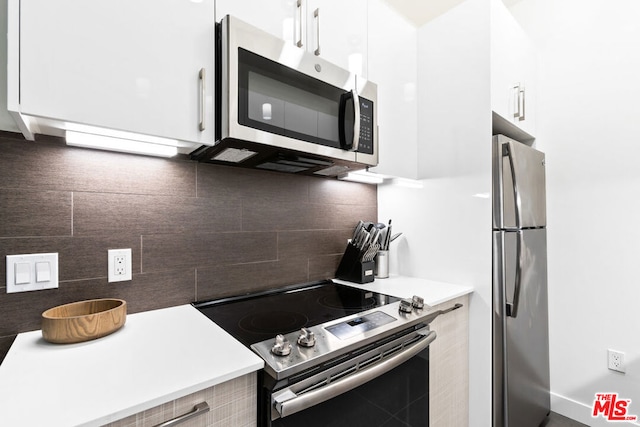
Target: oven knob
[(306, 338), (281, 347), (405, 306), (417, 302)]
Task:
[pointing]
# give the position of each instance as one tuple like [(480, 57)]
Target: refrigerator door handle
[(512, 307), (506, 151)]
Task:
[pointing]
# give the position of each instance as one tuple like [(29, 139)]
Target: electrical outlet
[(616, 360), (119, 265)]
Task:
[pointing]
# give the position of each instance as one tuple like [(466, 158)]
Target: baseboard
[(582, 412)]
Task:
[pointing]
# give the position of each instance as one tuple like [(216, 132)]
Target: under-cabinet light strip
[(363, 177), (101, 142)]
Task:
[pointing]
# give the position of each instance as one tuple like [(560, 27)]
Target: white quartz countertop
[(433, 292), (156, 357)]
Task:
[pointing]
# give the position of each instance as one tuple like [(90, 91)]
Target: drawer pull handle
[(199, 409)]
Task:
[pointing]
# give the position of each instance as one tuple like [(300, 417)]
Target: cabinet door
[(132, 65), (393, 65), (337, 30), (231, 403), (278, 17), (512, 70)]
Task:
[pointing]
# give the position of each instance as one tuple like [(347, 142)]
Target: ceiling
[(419, 12)]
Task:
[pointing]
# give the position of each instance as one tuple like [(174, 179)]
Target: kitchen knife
[(357, 230)]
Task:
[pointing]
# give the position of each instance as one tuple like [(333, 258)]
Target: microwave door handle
[(512, 307), (356, 121), (506, 151), (342, 118)]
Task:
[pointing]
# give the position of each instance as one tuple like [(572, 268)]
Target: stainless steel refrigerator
[(520, 310)]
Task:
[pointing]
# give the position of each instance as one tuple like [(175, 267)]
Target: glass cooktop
[(256, 317)]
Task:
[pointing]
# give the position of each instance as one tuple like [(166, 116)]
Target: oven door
[(389, 383), (277, 94)]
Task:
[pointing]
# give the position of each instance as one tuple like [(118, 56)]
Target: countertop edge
[(434, 292)]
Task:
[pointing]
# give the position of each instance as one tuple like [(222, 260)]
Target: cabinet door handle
[(300, 16), (316, 15), (199, 409), (522, 116), (203, 97), (520, 102), (516, 113)]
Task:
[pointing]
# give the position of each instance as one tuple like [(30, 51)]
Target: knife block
[(352, 269)]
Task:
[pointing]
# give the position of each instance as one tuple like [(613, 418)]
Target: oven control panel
[(295, 352), (353, 327)]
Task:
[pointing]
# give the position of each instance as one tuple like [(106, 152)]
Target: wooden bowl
[(83, 321)]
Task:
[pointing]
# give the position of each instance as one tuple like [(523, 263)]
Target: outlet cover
[(119, 265), (616, 361)]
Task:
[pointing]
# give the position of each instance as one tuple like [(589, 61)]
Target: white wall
[(589, 127), (447, 228)]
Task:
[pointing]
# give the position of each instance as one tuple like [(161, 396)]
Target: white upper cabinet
[(337, 31), (333, 29), (513, 70), (277, 17), (393, 66), (143, 66)]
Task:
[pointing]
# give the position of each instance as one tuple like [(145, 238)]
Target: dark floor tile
[(557, 420)]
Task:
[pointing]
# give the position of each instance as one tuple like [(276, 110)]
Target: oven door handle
[(296, 403)]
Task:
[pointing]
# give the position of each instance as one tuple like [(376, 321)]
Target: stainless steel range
[(327, 347)]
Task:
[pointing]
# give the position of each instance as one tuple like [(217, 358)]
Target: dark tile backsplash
[(197, 231)]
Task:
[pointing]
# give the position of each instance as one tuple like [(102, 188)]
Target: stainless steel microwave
[(284, 109)]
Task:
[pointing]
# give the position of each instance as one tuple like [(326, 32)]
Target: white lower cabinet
[(449, 366), (141, 66), (232, 403)]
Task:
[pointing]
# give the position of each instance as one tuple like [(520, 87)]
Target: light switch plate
[(34, 272)]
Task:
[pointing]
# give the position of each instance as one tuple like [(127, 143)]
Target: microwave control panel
[(366, 127)]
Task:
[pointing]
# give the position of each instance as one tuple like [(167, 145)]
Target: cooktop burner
[(257, 317), (273, 322), (343, 301)]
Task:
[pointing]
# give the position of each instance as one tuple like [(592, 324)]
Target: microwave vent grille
[(234, 155)]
